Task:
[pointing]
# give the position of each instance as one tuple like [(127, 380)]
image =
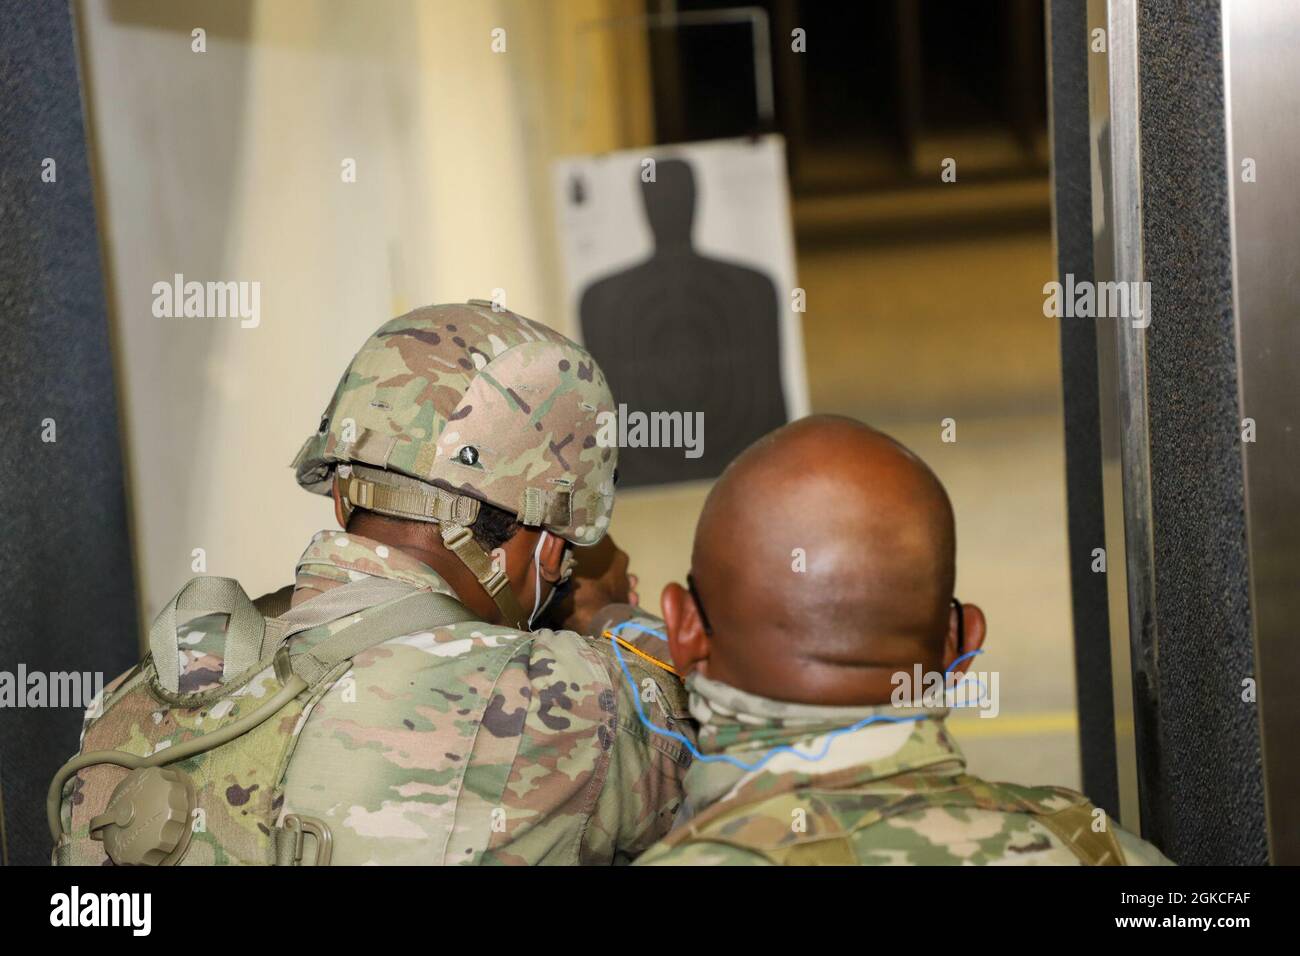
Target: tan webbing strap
[(249, 637), (460, 542), (534, 511), (404, 497), (546, 507), (411, 500), (200, 596), (416, 611), (333, 604)]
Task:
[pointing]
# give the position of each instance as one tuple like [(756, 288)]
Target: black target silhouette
[(683, 332)]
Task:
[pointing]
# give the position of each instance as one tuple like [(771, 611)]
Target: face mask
[(566, 569)]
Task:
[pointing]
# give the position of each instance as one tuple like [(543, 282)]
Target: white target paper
[(679, 274)]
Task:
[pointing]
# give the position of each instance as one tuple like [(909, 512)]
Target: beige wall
[(226, 165)]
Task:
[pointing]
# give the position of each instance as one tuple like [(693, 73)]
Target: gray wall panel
[(1203, 774), (1072, 215), (67, 598)]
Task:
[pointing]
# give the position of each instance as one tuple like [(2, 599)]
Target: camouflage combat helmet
[(452, 405)]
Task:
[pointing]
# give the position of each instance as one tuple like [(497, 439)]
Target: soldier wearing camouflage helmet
[(400, 702), (822, 579), (450, 409), (456, 431)]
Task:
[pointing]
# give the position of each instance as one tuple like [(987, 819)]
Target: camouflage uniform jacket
[(480, 744), (781, 799)]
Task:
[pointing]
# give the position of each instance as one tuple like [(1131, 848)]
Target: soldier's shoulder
[(640, 665), (650, 697), (956, 836), (631, 634), (992, 836), (547, 655), (447, 653), (460, 638), (883, 827), (1136, 851)]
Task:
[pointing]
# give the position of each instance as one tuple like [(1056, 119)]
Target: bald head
[(823, 560)]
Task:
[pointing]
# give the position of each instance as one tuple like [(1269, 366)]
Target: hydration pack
[(167, 777)]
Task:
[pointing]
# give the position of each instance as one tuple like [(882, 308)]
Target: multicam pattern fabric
[(444, 378), (787, 804), (479, 744), (464, 744), (201, 644)]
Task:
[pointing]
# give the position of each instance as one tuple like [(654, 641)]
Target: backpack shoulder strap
[(386, 609), (416, 611), (203, 596)]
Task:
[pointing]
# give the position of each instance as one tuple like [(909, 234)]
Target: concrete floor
[(903, 335)]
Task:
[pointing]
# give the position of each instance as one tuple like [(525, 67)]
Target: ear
[(551, 560), (687, 642), (974, 628)]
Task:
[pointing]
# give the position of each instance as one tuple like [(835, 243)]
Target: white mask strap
[(538, 604)]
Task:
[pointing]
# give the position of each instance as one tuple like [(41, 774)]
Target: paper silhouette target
[(680, 272)]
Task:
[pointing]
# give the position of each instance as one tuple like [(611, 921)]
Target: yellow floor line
[(1017, 725)]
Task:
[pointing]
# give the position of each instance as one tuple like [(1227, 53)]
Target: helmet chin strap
[(406, 498), (460, 542)]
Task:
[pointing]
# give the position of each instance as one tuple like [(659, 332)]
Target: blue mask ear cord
[(615, 640), (613, 633)]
